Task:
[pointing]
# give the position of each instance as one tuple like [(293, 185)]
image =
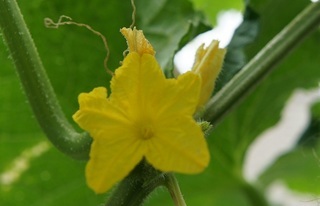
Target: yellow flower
[(208, 64), (145, 117)]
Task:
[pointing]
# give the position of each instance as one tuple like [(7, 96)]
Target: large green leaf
[(299, 169), (49, 179), (274, 16), (165, 23)]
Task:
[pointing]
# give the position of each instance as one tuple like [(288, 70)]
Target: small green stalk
[(173, 186), (264, 62), (37, 86)]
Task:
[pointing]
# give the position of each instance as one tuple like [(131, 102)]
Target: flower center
[(146, 132)]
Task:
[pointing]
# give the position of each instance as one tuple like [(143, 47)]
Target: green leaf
[(312, 134), (273, 19), (167, 22), (299, 169), (212, 8), (315, 110), (51, 179)]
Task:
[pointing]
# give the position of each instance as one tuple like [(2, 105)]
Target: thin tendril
[(133, 14), (65, 20)]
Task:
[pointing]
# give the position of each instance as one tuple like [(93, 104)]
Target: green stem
[(172, 184), (265, 61), (36, 84), (136, 187)]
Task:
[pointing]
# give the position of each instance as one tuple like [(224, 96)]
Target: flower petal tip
[(136, 41)]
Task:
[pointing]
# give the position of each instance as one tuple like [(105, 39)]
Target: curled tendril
[(134, 9), (65, 20)]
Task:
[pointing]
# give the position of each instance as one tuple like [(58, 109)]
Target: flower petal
[(111, 161), (181, 95), (116, 148), (178, 146), (99, 117), (141, 82)]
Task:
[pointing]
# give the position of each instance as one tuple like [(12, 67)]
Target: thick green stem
[(266, 60), (36, 84), (137, 186)]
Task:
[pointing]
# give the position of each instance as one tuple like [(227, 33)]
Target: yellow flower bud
[(208, 63)]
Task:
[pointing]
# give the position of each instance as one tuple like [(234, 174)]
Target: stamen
[(146, 132)]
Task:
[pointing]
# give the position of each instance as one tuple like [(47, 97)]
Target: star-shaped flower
[(145, 116)]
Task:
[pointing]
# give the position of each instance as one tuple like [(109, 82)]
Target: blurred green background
[(73, 58)]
